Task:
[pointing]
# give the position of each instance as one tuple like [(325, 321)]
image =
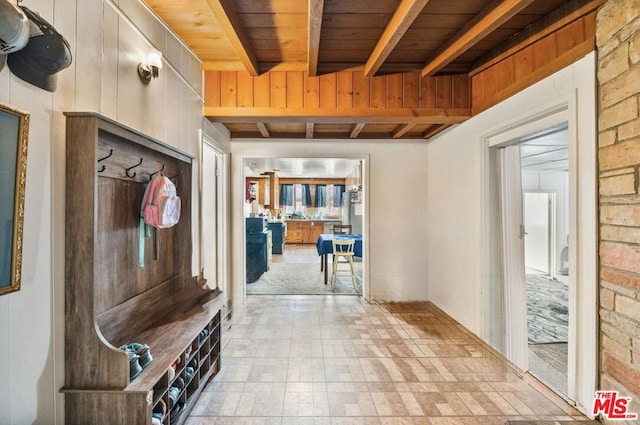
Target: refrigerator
[(352, 210)]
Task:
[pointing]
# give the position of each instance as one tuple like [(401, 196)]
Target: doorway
[(313, 195), (534, 195), (213, 217), (545, 193)]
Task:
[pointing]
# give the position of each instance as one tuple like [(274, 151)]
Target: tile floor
[(337, 360)]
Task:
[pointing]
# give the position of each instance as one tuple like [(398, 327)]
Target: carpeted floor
[(297, 272), (547, 326), (547, 310)]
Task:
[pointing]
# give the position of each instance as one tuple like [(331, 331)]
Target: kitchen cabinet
[(294, 232), (312, 231), (277, 233), (307, 231), (258, 253)]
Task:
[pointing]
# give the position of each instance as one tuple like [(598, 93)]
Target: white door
[(537, 227), (213, 236)]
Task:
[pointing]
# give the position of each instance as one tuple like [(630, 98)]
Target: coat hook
[(159, 171), (102, 159), (132, 167), (173, 177)]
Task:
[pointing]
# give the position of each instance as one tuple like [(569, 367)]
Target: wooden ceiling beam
[(230, 24), (315, 27), (486, 22), (435, 129), (400, 22), (310, 128), (337, 116), (263, 129), (403, 129), (554, 21), (326, 67), (356, 130)]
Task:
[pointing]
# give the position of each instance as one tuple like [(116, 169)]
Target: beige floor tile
[(217, 404), (343, 370), (306, 370), (296, 420), (269, 370), (331, 360), (258, 404), (306, 347)]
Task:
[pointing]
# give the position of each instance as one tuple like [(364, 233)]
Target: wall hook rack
[(102, 159), (156, 172), (131, 168)]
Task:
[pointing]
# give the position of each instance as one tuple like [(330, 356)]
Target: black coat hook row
[(131, 168), (102, 159)]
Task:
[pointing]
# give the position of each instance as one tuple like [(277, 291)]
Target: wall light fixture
[(148, 69)]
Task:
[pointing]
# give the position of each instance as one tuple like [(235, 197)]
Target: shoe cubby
[(110, 301)]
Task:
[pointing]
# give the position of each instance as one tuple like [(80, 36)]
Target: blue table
[(324, 245)]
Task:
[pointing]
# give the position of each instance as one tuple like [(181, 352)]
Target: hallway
[(331, 360)]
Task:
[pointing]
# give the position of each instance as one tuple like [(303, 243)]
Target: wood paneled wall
[(532, 63), (345, 89)]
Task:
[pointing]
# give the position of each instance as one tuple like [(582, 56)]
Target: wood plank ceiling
[(347, 68)]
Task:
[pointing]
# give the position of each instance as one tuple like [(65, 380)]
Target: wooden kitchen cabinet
[(304, 231), (294, 232), (313, 232), (307, 233)]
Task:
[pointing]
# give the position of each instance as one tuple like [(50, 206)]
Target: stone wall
[(618, 42)]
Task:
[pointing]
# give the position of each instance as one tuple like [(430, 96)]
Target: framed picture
[(14, 135)]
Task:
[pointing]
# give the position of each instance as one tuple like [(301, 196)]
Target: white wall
[(395, 175), (460, 219), (106, 48)]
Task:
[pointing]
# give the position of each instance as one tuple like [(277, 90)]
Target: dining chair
[(343, 252), (342, 229)]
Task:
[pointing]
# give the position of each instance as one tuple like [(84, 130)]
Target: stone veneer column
[(618, 42)]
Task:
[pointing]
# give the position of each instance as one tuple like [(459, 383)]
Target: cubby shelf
[(111, 301)]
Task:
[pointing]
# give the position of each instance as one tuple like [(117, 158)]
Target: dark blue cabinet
[(257, 255), (277, 232)]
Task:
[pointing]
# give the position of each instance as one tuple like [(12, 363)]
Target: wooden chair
[(342, 229), (343, 248)]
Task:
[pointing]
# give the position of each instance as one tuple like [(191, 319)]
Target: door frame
[(240, 290), (221, 277), (579, 110)]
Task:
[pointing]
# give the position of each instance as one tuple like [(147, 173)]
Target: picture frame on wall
[(14, 136)]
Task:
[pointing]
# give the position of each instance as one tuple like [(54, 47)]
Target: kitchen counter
[(308, 230), (324, 220)]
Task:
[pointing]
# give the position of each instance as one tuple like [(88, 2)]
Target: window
[(298, 204)]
